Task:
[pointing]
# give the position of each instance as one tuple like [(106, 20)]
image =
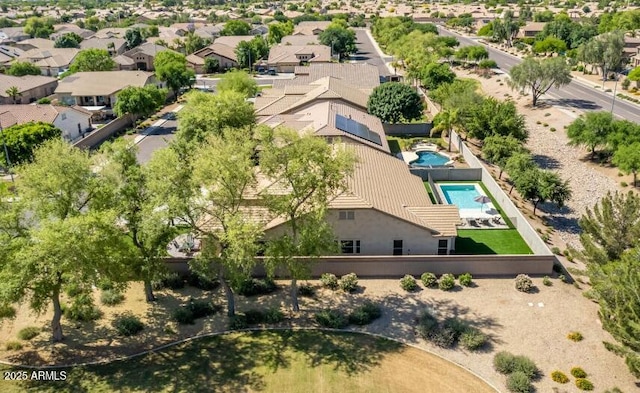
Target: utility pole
[(615, 87)]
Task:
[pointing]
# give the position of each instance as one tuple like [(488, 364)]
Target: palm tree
[(14, 93), (446, 120)]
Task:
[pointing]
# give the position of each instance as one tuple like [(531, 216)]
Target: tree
[(610, 228), (634, 75), (133, 37), (342, 40), (246, 55), (69, 40), (14, 93), (279, 30), (605, 51), (211, 65), (23, 139), (395, 102), (314, 172), (139, 101), (38, 27), (460, 94), (550, 44), (92, 60), (538, 75), (591, 130), (539, 185), (205, 114), (518, 166), (145, 224), (446, 120), (194, 42), (436, 74), (171, 67), (494, 117), (65, 240), (22, 68), (238, 81), (506, 29), (627, 158), (236, 27), (497, 150)]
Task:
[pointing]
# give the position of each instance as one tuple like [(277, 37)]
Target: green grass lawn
[(271, 361), (430, 192), (490, 241), (398, 143)]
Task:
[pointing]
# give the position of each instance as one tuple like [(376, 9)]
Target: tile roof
[(361, 76), (111, 32), (288, 54), (222, 50), (39, 43), (101, 83), (148, 48), (124, 60), (53, 58), (102, 43), (307, 27), (23, 83), (19, 114), (300, 40), (233, 40)]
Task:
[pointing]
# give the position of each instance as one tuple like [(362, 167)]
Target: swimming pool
[(462, 195), (430, 158)]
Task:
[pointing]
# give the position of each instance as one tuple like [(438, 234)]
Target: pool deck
[(485, 217), (410, 156)]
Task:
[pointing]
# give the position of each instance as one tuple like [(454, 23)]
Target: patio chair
[(497, 220), (472, 222), (485, 221)]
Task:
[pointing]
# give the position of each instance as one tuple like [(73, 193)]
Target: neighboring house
[(74, 121), (631, 46), (364, 77), (111, 32), (51, 62), (300, 40), (31, 88), (12, 34), (310, 27), (208, 31), (284, 58), (142, 56), (258, 30), (635, 60), (60, 30), (7, 54), (96, 91), (223, 49), (531, 29), (34, 43), (115, 46)]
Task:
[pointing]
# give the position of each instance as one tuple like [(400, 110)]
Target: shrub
[(331, 319), (427, 324), (238, 322), (447, 282), (507, 363), (559, 376), (584, 384), (623, 184), (523, 283), (444, 337), (408, 283), (173, 281), (473, 339), (518, 382), (562, 278), (254, 317), (556, 250), (81, 309), (578, 372), (111, 297), (254, 287), (329, 280), (306, 290), (202, 282), (193, 310), (45, 100), (105, 284), (13, 345), (465, 279), (552, 129), (365, 314), (183, 316), (273, 315), (428, 279), (348, 282), (128, 325), (575, 336), (28, 333), (74, 290)]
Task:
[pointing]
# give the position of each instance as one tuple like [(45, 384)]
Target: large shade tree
[(92, 60), (171, 68), (394, 103), (539, 75), (139, 101), (591, 130), (22, 139)]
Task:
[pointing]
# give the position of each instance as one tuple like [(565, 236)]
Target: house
[(30, 87), (60, 30), (223, 49), (208, 31), (284, 58), (142, 56), (300, 40), (8, 53), (74, 121), (363, 77), (51, 62), (635, 60), (96, 91), (12, 34), (531, 29), (115, 46), (34, 43), (310, 27), (258, 30), (631, 46), (111, 32)]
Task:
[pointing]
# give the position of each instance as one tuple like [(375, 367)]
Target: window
[(350, 246), (397, 247), (347, 215), (443, 246)]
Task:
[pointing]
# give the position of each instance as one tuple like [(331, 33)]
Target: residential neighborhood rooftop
[(101, 83)]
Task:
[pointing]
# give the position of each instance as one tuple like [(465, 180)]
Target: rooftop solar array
[(357, 129)]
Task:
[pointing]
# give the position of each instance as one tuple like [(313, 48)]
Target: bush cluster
[(128, 325), (559, 376), (408, 283), (255, 287), (28, 333), (348, 282), (523, 283), (306, 290), (465, 279), (238, 322), (193, 310), (333, 319), (329, 280), (447, 282), (270, 315), (13, 345), (202, 282), (546, 281), (575, 336), (111, 297), (171, 281), (518, 382), (428, 279), (450, 332), (365, 314), (81, 309), (520, 370), (336, 319), (584, 384), (578, 372)]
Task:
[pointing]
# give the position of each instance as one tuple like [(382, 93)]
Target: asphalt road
[(576, 95), (157, 140), (367, 53)]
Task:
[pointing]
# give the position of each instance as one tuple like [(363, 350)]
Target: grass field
[(272, 361), (490, 241)]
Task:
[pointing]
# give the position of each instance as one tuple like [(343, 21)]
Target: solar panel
[(357, 129)]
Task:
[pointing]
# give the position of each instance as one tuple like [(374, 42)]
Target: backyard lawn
[(490, 241), (272, 361)]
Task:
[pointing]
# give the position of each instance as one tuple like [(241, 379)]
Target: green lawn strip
[(490, 241), (430, 192), (264, 87)]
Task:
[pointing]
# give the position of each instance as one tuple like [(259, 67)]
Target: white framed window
[(350, 246), (347, 215)]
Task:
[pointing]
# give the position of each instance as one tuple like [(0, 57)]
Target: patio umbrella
[(482, 199)]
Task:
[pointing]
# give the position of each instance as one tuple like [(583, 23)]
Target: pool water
[(462, 195), (430, 158)]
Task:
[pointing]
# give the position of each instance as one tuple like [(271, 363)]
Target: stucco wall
[(31, 95), (100, 135), (68, 122)]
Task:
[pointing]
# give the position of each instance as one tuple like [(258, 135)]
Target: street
[(160, 138), (367, 53), (575, 95)]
